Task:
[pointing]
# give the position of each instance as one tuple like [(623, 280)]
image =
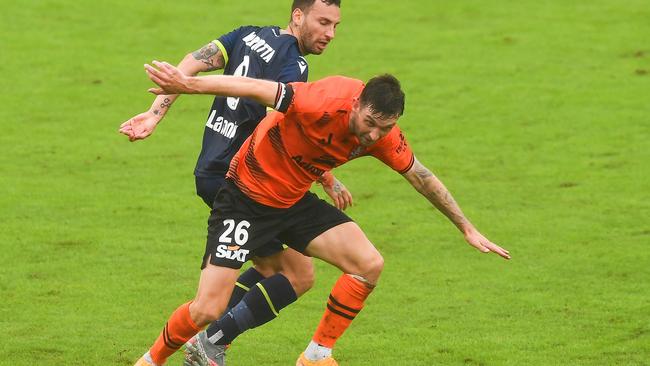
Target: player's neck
[(292, 32)]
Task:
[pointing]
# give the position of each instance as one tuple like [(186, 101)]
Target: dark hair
[(304, 5), (384, 95)]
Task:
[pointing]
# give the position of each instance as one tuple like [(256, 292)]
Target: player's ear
[(356, 105), (297, 17)]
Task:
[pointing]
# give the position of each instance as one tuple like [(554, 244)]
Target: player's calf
[(257, 307)]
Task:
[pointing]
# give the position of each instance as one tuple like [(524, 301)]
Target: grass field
[(534, 113)]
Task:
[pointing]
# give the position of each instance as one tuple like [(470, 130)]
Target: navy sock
[(244, 283), (258, 306)]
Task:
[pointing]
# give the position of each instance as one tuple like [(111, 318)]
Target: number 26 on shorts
[(240, 234)]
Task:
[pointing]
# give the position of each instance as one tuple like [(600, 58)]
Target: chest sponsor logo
[(308, 166), (221, 125), (328, 160), (260, 46)]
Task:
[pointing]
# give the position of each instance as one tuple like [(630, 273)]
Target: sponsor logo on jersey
[(402, 144), (302, 64), (260, 46), (231, 252), (221, 125), (308, 166), (328, 160)]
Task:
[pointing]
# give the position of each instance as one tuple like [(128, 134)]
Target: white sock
[(316, 352), (147, 356)]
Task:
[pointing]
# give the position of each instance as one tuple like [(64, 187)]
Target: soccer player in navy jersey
[(279, 276)]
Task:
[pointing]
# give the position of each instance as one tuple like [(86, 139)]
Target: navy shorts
[(240, 228), (207, 188)]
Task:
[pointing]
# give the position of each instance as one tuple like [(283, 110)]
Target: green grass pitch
[(534, 113)]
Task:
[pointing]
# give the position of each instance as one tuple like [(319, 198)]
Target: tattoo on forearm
[(166, 103), (444, 201), (436, 192), (156, 112), (441, 197), (422, 171), (210, 55)]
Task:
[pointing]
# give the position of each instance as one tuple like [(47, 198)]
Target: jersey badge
[(302, 64)]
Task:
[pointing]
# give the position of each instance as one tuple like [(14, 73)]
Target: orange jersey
[(288, 151)]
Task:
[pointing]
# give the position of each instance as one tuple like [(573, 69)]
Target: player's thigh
[(347, 247), (319, 229)]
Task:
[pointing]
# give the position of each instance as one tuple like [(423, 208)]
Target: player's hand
[(480, 242), (170, 79), (341, 197), (140, 126)]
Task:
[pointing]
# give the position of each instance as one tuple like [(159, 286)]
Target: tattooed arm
[(207, 58), (432, 188)]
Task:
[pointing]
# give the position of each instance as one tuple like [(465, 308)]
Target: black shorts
[(207, 188), (240, 228)]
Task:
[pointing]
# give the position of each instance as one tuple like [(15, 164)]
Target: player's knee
[(377, 264), (372, 267), (266, 266), (205, 312), (301, 278)]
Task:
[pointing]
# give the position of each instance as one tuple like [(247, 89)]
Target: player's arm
[(172, 81), (425, 182), (207, 58)]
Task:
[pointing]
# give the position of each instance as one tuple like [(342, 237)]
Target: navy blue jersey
[(257, 52)]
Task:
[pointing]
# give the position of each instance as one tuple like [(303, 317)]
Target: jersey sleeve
[(394, 151), (302, 99), (226, 42), (307, 102)]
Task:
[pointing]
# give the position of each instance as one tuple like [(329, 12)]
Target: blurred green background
[(534, 113)]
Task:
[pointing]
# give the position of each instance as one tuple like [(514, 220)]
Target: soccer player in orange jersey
[(320, 126)]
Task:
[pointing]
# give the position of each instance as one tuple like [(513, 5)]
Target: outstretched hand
[(140, 126), (480, 242), (169, 78)]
